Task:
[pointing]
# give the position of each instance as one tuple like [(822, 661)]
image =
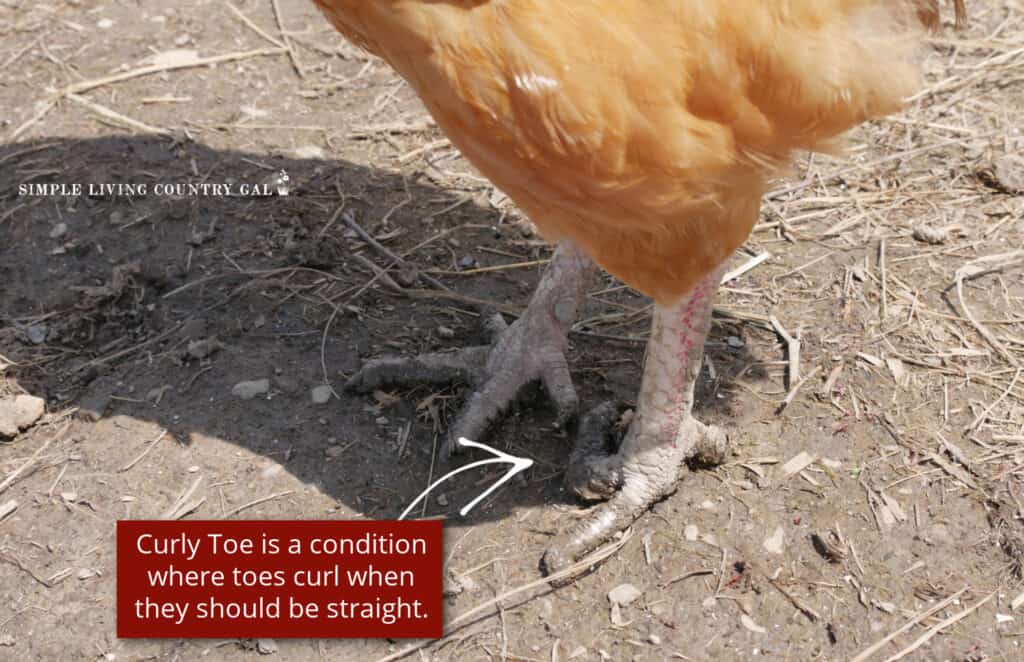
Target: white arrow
[(518, 464)]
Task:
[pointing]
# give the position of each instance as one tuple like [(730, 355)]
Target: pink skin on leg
[(664, 434)]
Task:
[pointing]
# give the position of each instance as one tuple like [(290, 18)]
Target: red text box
[(322, 579)]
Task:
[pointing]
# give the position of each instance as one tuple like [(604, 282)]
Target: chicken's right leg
[(531, 349)]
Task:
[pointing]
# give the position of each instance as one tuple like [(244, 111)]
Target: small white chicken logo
[(283, 185)]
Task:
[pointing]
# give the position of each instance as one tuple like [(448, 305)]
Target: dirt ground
[(886, 494)]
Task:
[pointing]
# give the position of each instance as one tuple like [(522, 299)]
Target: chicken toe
[(594, 471), (633, 484), (530, 350)]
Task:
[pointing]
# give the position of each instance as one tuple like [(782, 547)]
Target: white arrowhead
[(518, 464)]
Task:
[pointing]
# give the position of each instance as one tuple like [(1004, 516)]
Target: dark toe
[(461, 366), (595, 471)]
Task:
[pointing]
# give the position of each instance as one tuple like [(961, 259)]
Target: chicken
[(639, 135)]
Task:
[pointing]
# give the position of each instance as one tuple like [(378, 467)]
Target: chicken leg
[(661, 438), (531, 349)]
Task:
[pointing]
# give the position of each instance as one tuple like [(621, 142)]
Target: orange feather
[(645, 130)]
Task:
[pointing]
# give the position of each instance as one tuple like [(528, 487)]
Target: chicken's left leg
[(662, 436), (531, 349)]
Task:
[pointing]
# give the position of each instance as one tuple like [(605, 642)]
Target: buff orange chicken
[(639, 135)]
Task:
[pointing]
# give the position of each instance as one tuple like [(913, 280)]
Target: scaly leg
[(532, 348), (661, 438)]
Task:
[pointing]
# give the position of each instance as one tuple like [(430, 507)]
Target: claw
[(558, 384)]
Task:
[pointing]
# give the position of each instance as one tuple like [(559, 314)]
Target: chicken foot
[(531, 349), (662, 437)]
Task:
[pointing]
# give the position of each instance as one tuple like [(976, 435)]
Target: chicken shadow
[(167, 298)]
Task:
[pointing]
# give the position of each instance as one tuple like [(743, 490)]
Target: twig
[(941, 625), (86, 85), (179, 503), (252, 26), (796, 389), (745, 267), (594, 558), (287, 41), (485, 270), (141, 455), (883, 275), (35, 456), (255, 502), (350, 221), (920, 616), (792, 350), (130, 350), (687, 575), (870, 165), (103, 111), (7, 558), (978, 268), (323, 351), (8, 508), (988, 410), (811, 615)]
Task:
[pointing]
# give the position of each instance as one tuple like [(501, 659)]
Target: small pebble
[(308, 152), (445, 332), (59, 231), (624, 594), (691, 532), (19, 412), (200, 349), (321, 394), (37, 333), (251, 389), (776, 543), (1009, 172), (887, 607)]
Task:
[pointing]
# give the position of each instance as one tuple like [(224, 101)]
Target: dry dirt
[(911, 413)]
